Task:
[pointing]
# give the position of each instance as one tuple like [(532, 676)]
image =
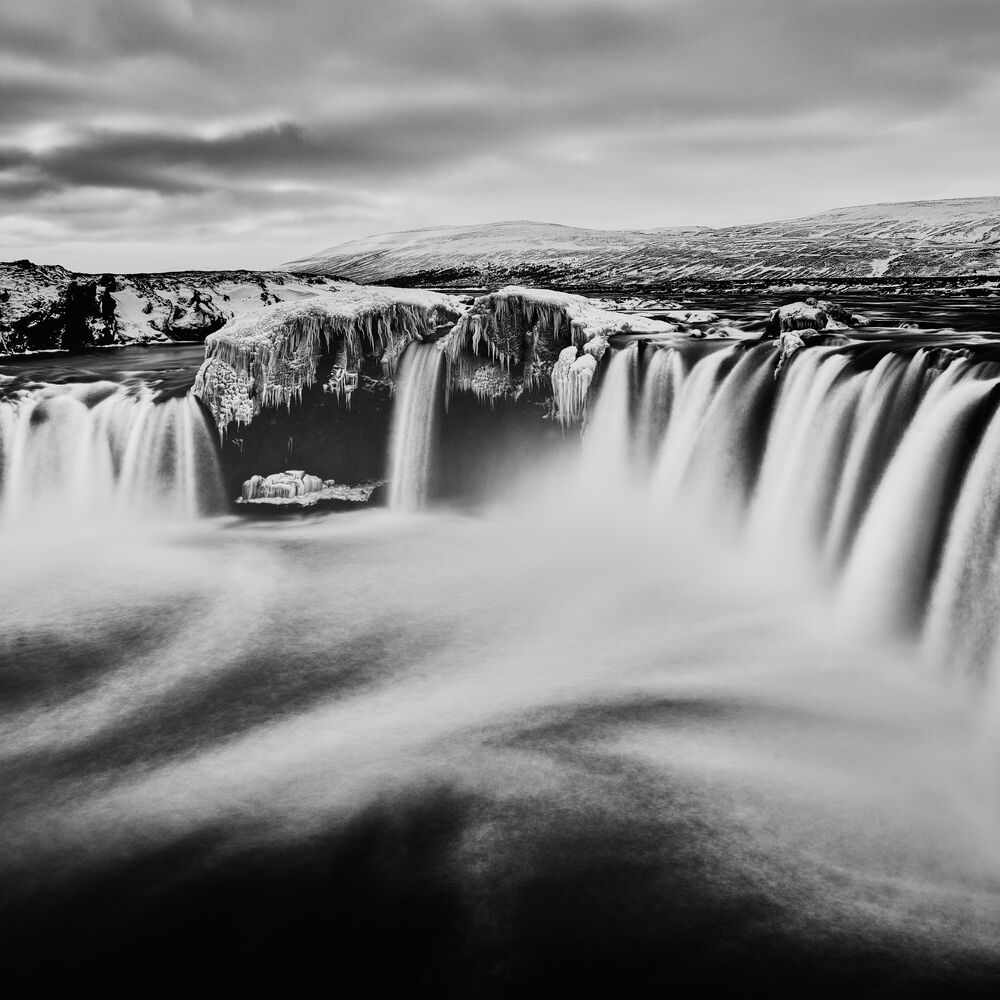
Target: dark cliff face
[(88, 315), (484, 444), (320, 434)]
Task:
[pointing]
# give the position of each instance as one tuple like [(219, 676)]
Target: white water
[(611, 683), (416, 415), (856, 476), (99, 450)]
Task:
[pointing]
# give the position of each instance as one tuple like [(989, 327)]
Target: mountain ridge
[(943, 237)]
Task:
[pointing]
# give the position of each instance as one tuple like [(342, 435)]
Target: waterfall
[(101, 449), (876, 468), (810, 431), (609, 442), (693, 401), (962, 621), (661, 385), (416, 420), (887, 577)]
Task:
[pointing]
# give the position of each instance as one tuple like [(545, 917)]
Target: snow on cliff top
[(343, 303)]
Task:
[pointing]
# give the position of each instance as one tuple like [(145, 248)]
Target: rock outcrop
[(514, 344), (811, 314), (269, 356), (538, 344), (297, 490), (50, 308), (282, 485)]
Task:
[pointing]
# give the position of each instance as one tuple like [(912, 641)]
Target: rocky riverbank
[(46, 307)]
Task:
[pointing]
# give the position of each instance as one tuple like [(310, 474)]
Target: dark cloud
[(388, 114), (171, 163)]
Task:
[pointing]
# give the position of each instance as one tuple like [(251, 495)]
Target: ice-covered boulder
[(811, 314), (788, 343), (571, 378), (281, 485), (526, 334), (267, 357), (297, 490)]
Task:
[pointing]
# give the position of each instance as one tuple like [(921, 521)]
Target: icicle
[(267, 359)]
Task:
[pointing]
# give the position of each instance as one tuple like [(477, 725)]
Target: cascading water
[(99, 449), (568, 746), (609, 442), (873, 469), (661, 386), (415, 425)]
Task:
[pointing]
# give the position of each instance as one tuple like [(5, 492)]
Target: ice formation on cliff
[(267, 357), (512, 341), (516, 339)]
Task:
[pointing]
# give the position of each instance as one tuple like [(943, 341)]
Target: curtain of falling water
[(877, 474), (101, 450), (415, 424)]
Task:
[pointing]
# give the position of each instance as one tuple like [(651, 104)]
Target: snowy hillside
[(928, 238)]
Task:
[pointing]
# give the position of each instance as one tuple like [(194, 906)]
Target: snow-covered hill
[(926, 238)]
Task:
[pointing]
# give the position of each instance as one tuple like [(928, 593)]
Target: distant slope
[(921, 238)]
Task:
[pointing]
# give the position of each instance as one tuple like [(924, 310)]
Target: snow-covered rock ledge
[(516, 342), (524, 340), (267, 357)]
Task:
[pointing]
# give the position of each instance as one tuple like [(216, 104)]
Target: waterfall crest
[(100, 449), (416, 418), (875, 468)]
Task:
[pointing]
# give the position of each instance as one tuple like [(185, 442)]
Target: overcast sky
[(157, 134)]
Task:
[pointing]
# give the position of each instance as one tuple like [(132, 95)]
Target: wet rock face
[(319, 434), (82, 315)]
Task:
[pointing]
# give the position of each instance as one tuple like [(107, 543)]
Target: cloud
[(375, 114)]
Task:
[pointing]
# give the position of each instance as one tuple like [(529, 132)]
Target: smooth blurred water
[(589, 693), (617, 732)]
